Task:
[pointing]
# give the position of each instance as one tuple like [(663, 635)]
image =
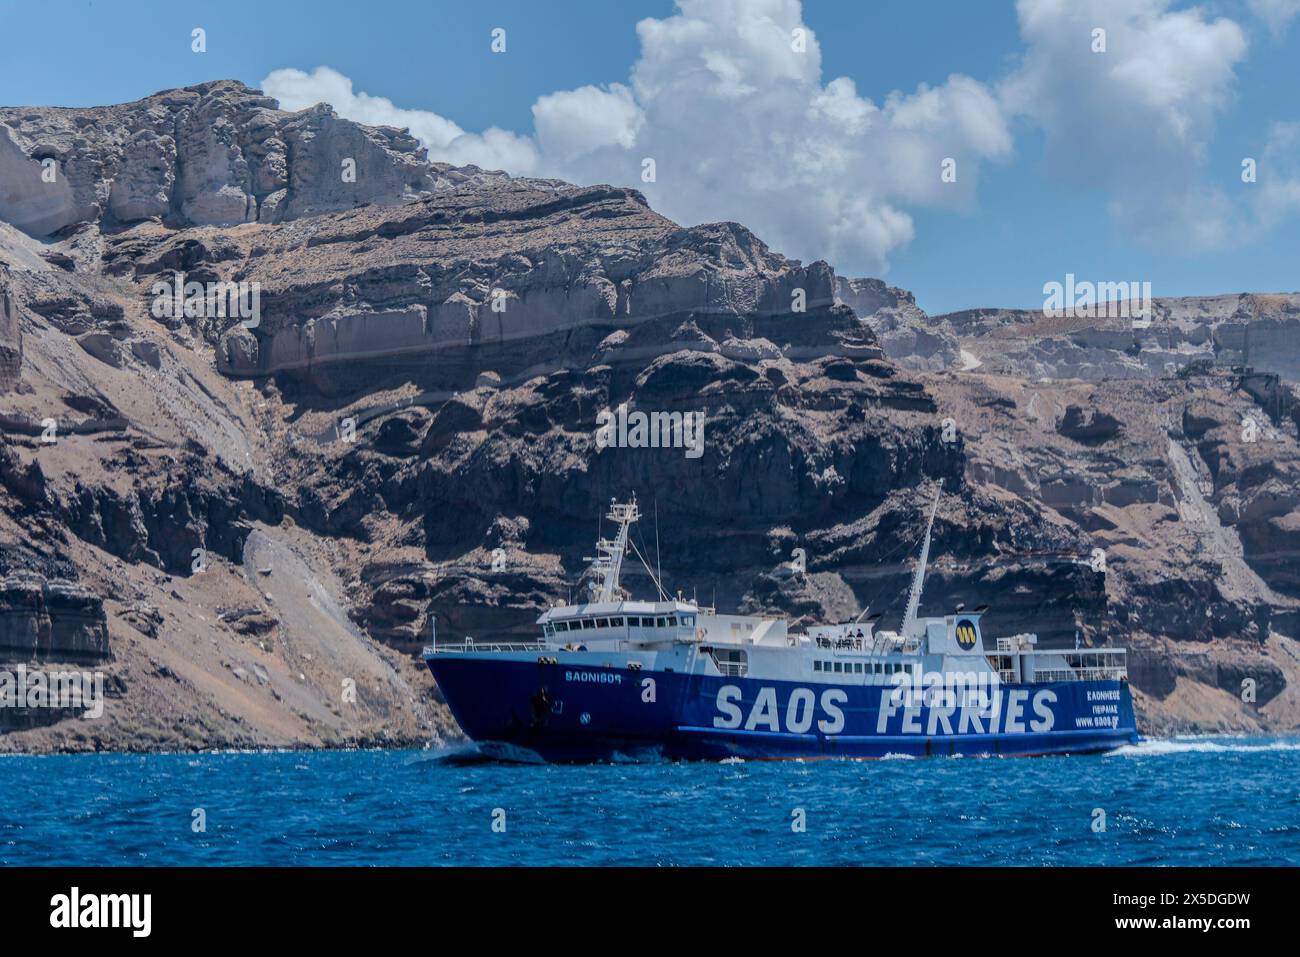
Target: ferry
[(615, 679)]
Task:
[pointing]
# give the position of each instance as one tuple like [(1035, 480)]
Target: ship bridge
[(620, 622), (602, 624)]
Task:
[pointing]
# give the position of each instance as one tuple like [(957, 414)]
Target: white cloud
[(446, 141), (1276, 14), (1136, 120), (573, 123), (1277, 191), (741, 127)]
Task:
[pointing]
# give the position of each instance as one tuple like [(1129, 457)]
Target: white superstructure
[(675, 634)]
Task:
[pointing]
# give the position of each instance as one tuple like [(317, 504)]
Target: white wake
[(1210, 745)]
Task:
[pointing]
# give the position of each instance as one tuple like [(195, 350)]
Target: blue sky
[(1072, 165)]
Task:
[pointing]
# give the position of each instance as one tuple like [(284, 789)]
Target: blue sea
[(1199, 801)]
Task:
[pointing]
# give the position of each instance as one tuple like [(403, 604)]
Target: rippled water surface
[(1186, 801)]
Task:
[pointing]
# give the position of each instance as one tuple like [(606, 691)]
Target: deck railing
[(1080, 674), (469, 644)]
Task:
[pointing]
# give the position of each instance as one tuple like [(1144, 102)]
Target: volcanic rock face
[(515, 276), (51, 620), (909, 337), (238, 516), (1260, 331), (214, 154), (1088, 426), (11, 344)]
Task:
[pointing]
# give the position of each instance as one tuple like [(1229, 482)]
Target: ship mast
[(918, 580), (608, 562)]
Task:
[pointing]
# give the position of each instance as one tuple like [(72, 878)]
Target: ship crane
[(910, 621)]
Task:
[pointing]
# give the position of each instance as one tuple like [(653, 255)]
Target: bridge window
[(616, 622), (688, 620), (602, 622), (672, 621), (588, 623), (817, 665), (662, 622)]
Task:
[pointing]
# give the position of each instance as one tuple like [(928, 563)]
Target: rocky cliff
[(11, 344), (252, 521), (217, 154), (909, 337), (1261, 331)]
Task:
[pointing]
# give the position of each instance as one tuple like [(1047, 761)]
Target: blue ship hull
[(528, 710)]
